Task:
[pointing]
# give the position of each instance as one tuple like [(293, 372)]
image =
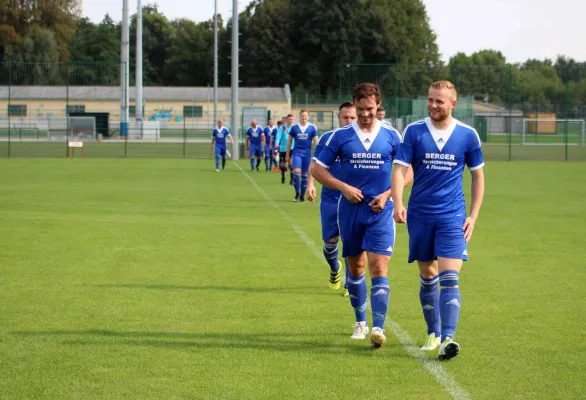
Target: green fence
[(520, 112)]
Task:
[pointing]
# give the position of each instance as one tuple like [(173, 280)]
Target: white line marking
[(432, 366)]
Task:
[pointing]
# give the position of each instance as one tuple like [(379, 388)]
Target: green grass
[(131, 278)]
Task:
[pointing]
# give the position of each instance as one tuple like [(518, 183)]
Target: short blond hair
[(444, 85)]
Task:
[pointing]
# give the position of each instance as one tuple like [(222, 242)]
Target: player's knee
[(449, 278)]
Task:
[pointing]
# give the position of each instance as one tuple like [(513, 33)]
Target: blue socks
[(450, 300), (217, 162), (379, 300), (347, 269), (303, 185), (357, 290), (297, 183), (223, 163), (331, 255), (429, 297), (267, 162), (252, 164)]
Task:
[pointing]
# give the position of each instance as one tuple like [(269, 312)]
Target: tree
[(37, 54), (157, 39)]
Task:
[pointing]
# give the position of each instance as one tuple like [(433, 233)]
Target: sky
[(520, 29)]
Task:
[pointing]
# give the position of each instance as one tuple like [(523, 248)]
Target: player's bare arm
[(311, 192), (476, 202), (397, 185), (213, 143), (247, 143), (322, 175)]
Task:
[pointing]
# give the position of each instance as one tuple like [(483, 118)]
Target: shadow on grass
[(302, 290), (275, 341)]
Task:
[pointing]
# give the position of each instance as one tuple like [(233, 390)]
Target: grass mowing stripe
[(431, 366)]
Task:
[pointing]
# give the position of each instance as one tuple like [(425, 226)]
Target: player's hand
[(378, 203), (287, 158), (248, 149), (352, 194), (400, 214), (468, 228), (311, 193)]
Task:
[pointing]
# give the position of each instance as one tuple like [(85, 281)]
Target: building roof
[(150, 93)]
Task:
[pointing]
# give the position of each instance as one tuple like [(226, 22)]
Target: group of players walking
[(360, 203)]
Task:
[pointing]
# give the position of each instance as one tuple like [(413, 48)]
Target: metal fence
[(520, 113)]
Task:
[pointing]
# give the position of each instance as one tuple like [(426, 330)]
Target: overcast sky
[(520, 29)]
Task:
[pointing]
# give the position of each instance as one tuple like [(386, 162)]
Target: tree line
[(299, 42)]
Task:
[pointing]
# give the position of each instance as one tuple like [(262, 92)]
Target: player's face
[(366, 111), (220, 124), (270, 122), (289, 121), (253, 123), (303, 117), (380, 115), (346, 116), (440, 103)]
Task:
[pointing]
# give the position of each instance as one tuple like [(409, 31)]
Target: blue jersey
[(438, 160), (366, 158), (268, 131), (220, 135), (335, 169), (303, 136), (255, 135), (274, 136)]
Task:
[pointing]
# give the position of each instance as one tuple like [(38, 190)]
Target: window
[(15, 110), (320, 116), (75, 108), (192, 111)]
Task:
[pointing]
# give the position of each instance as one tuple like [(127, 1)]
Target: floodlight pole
[(215, 61), (124, 73), (138, 106), (234, 123)]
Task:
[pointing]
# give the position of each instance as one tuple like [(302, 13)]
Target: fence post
[(66, 109), (566, 89), (184, 135), (8, 109), (510, 128)]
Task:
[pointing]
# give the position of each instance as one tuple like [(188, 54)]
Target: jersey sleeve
[(405, 153), (214, 133), (396, 138), (228, 132), (293, 133), (249, 132), (314, 132), (329, 152), (320, 145), (474, 156)]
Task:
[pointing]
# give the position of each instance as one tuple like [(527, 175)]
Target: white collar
[(367, 139)]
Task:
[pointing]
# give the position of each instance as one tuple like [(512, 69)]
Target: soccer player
[(328, 204), (305, 135), (380, 113), (281, 142), (219, 135), (268, 154), (438, 148), (255, 141), (366, 149)]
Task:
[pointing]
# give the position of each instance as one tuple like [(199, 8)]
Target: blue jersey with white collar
[(438, 159), (255, 135), (220, 135), (303, 136), (365, 158)]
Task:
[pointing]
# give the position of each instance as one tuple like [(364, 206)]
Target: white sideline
[(432, 366)]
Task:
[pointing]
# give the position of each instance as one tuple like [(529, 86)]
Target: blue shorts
[(362, 229), (301, 161), (430, 240), (328, 215), (255, 150), (220, 151)]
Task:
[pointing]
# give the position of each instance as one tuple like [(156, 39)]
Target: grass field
[(133, 278)]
